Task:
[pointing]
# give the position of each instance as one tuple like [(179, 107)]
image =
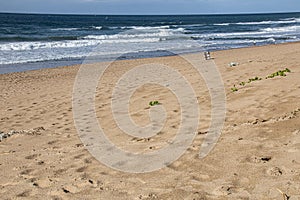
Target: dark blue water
[(36, 41)]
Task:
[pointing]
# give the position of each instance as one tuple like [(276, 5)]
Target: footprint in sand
[(81, 169), (26, 172), (258, 159), (275, 171), (42, 183), (33, 156), (79, 156), (26, 193)]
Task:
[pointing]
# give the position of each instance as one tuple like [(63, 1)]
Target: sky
[(135, 7)]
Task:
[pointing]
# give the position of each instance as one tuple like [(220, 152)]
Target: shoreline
[(36, 64), (256, 155)]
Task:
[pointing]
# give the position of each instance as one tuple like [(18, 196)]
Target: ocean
[(34, 41)]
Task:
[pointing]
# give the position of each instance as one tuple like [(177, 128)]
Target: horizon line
[(171, 14)]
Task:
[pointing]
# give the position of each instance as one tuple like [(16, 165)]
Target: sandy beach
[(256, 157)]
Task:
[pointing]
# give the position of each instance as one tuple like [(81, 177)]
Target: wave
[(69, 56), (125, 36), (144, 28), (227, 35), (222, 24), (139, 27), (147, 27), (97, 27), (243, 41), (135, 36), (40, 59), (281, 21), (76, 29), (291, 19), (279, 32), (282, 29), (284, 21), (159, 33), (25, 46), (245, 37)]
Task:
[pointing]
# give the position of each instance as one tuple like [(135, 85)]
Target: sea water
[(34, 41)]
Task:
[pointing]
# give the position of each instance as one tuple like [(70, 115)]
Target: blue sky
[(149, 6)]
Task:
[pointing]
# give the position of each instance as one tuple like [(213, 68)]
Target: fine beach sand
[(257, 156)]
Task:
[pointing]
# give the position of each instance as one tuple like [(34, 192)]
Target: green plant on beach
[(153, 103), (254, 79), (234, 89), (287, 70), (243, 83), (279, 73)]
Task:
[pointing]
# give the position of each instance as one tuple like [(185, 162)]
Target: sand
[(257, 155)]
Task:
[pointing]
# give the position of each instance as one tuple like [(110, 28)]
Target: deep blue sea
[(33, 41)]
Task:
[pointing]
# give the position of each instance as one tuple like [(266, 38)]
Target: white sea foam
[(264, 32), (293, 20), (238, 42), (129, 36), (227, 35), (93, 41), (148, 27), (282, 29), (222, 24), (22, 60), (151, 33), (106, 49), (134, 36), (282, 21), (25, 46), (97, 27)]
